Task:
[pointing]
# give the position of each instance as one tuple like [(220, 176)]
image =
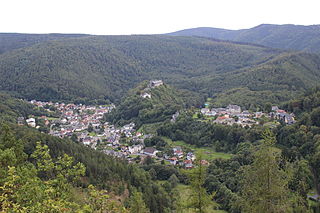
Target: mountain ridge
[(287, 36)]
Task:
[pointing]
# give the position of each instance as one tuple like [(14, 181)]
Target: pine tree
[(137, 204), (265, 183), (200, 200)]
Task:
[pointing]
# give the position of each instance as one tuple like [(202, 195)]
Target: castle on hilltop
[(155, 83), (152, 84)]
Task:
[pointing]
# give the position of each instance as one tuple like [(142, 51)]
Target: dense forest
[(288, 36), (104, 68), (163, 103), (12, 41)]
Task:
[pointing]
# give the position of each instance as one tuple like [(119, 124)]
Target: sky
[(115, 17)]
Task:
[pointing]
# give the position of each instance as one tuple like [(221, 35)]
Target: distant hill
[(107, 67), (294, 37), (11, 41)]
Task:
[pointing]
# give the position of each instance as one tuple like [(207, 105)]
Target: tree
[(199, 199), (74, 138), (173, 180), (136, 203), (265, 182)]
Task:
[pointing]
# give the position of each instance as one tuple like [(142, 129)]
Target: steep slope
[(295, 37), (11, 41), (106, 67)]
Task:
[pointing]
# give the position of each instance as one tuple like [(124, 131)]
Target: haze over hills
[(294, 37)]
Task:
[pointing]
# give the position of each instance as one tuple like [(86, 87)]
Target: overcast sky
[(150, 16)]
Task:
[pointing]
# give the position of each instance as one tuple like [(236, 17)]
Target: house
[(234, 108), (274, 108), (173, 161), (145, 95), (177, 151), (21, 121), (287, 118), (150, 151), (191, 156), (135, 149), (188, 164), (31, 122), (205, 110), (175, 116), (155, 83), (258, 114)]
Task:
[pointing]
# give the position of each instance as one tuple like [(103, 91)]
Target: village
[(233, 114), (83, 124)]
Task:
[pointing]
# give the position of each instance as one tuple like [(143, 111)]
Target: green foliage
[(22, 189), (101, 170), (12, 108), (99, 201), (137, 204), (12, 41), (106, 67), (164, 102), (202, 134), (200, 201), (265, 183)]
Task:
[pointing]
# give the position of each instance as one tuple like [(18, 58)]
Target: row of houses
[(233, 114)]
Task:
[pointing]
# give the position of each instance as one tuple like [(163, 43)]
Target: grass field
[(207, 152)]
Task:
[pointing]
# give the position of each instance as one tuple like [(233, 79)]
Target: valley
[(200, 120)]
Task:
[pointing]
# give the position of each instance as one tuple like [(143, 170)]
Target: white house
[(31, 122)]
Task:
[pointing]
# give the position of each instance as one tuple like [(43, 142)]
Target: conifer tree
[(137, 204), (265, 182), (200, 201)]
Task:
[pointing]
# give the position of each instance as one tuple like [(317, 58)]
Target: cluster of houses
[(152, 84), (177, 158), (185, 160), (85, 122), (282, 115), (233, 114)]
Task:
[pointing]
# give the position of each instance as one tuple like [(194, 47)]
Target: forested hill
[(106, 67), (11, 108), (11, 41), (145, 104), (282, 78), (295, 37)]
